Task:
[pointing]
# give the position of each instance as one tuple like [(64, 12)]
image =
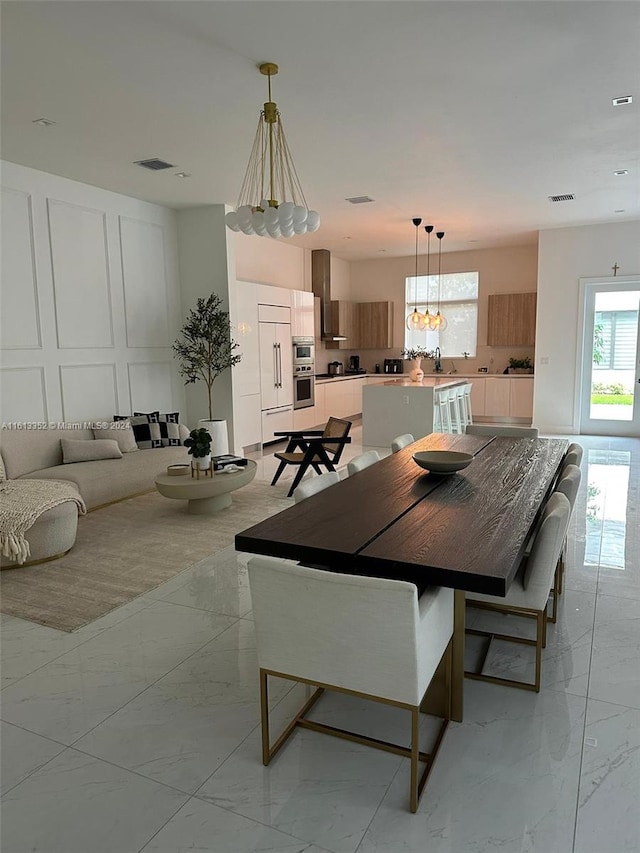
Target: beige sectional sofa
[(37, 454)]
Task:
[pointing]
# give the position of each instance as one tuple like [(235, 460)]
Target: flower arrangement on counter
[(412, 354)]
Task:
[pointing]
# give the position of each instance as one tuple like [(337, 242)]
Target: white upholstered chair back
[(574, 454), (569, 483), (370, 635), (363, 461), (315, 484), (545, 551), (401, 441), (512, 431)]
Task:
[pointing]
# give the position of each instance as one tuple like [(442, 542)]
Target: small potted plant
[(520, 365), (199, 446), (415, 356)]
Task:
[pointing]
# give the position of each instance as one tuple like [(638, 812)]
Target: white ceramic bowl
[(442, 461)]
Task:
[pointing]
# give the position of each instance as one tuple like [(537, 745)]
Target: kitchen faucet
[(437, 365)]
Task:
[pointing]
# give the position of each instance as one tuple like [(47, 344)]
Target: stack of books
[(220, 462)]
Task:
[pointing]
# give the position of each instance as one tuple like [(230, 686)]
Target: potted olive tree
[(204, 350)]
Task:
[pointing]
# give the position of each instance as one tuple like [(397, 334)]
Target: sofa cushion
[(27, 450), (103, 482), (146, 431), (87, 451), (121, 432), (169, 424)]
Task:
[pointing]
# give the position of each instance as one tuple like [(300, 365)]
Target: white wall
[(565, 255), (508, 270), (89, 302)]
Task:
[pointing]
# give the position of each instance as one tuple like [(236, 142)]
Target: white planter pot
[(219, 435), (202, 462)]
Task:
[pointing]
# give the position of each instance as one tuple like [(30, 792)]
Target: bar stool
[(444, 411), (466, 396), (454, 410)]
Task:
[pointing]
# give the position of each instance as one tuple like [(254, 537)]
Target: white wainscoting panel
[(22, 395), (89, 391), (145, 283), (80, 275), (150, 387), (19, 312)]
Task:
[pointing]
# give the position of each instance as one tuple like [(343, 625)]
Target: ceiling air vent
[(154, 164), (359, 199), (621, 102), (565, 197)]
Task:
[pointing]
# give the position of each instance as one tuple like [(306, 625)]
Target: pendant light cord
[(439, 235), (417, 222)]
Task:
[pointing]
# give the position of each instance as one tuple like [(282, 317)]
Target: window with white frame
[(458, 305)]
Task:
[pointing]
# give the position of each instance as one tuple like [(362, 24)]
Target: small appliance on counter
[(336, 368), (393, 365), (354, 365)]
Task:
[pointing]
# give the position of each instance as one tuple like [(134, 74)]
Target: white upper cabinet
[(302, 318), (269, 295), (246, 375)]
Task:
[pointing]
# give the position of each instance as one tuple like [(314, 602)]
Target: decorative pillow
[(169, 424), (120, 432), (146, 432), (78, 450)]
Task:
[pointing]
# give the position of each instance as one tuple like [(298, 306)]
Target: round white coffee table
[(208, 494)]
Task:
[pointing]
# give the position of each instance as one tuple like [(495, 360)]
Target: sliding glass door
[(610, 391)]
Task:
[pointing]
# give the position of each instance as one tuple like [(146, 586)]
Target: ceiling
[(468, 114)]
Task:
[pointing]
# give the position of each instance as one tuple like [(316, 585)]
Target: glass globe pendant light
[(416, 320), (439, 323), (427, 316)]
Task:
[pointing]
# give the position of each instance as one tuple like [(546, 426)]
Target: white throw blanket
[(22, 502)]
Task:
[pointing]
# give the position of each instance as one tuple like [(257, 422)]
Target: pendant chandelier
[(428, 318), (271, 201), (438, 323), (416, 320)]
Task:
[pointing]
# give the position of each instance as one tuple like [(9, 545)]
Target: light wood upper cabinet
[(344, 322), (512, 319), (375, 325)]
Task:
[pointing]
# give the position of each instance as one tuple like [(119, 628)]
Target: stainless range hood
[(321, 286)]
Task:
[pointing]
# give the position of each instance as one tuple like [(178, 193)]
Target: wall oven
[(303, 351), (303, 390)]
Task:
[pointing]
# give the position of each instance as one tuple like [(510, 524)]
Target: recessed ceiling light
[(359, 199), (183, 174), (619, 172), (43, 122), (621, 102)]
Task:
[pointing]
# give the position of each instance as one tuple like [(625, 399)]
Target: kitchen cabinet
[(496, 397), (276, 358), (302, 314), (344, 322), (246, 374), (512, 319), (374, 325), (477, 396), (276, 420), (521, 398), (270, 295), (247, 421)]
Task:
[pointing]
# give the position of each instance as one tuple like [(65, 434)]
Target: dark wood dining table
[(467, 530)]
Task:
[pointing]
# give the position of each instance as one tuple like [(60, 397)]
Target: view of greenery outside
[(613, 394)]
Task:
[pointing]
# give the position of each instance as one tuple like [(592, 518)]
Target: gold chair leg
[(544, 627), (264, 717), (415, 755), (541, 626)]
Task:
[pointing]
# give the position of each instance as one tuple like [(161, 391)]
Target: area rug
[(127, 549)]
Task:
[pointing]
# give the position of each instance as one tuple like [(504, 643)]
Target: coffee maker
[(354, 365)]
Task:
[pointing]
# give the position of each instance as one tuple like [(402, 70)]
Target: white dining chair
[(568, 485), (401, 441), (364, 636), (314, 485), (495, 429), (363, 461), (529, 592)]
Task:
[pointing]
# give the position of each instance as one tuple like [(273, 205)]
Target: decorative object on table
[(520, 365), (228, 459), (416, 320), (271, 169), (442, 461), (199, 447), (415, 356), (204, 350), (178, 470)]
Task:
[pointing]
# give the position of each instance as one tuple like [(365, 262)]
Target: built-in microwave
[(303, 350)]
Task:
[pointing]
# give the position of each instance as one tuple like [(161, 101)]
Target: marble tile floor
[(140, 731)]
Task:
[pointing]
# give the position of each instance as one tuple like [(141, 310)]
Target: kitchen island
[(395, 406)]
